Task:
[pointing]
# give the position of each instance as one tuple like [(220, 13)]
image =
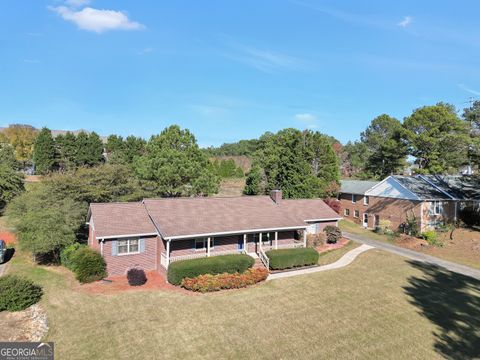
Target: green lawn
[(353, 228), (333, 255), (380, 306)]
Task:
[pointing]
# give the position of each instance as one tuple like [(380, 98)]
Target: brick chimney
[(276, 196)]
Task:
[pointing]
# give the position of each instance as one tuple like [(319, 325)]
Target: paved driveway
[(2, 268), (414, 255)]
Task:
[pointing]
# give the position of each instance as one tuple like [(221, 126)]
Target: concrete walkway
[(343, 261), (414, 255)]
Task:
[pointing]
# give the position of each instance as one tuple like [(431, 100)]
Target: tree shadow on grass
[(452, 302)]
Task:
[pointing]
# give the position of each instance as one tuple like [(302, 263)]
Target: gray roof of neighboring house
[(356, 186), (463, 187), (421, 188)]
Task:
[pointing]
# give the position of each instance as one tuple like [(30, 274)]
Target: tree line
[(436, 138)]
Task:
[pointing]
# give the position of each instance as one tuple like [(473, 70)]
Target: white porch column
[(208, 246), (260, 239), (305, 238), (276, 240), (168, 252), (456, 212), (245, 243)]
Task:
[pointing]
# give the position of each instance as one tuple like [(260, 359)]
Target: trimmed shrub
[(213, 265), (88, 265), (470, 215), (18, 293), (67, 255), (333, 233), (208, 282), (136, 277), (290, 258), (384, 227), (431, 237)]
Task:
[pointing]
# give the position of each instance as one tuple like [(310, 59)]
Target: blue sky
[(231, 70)]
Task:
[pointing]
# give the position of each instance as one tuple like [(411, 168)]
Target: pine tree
[(437, 138), (387, 151), (174, 165), (44, 152)]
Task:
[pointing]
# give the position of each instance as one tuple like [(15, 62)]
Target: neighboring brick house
[(431, 199), (155, 232)]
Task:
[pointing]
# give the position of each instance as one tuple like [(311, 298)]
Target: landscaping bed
[(237, 263)]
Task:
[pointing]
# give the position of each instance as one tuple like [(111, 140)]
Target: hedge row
[(290, 258), (231, 264), (87, 264), (17, 293), (207, 283)]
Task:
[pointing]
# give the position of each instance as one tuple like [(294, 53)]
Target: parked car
[(3, 250)]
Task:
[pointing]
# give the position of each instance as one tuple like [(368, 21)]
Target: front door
[(365, 220), (240, 244)]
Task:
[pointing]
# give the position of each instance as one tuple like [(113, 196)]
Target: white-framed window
[(436, 208), (356, 213), (346, 212), (354, 198), (128, 246), (202, 243), (366, 200)]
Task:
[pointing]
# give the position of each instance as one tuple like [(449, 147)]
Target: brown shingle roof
[(121, 219), (177, 217)]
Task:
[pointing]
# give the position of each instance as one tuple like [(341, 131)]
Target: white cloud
[(407, 20), (77, 3), (305, 117), (31, 61), (96, 20), (467, 89)]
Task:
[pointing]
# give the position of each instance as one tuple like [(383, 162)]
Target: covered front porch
[(252, 243)]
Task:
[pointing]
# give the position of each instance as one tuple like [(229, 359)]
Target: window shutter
[(141, 245), (114, 248)]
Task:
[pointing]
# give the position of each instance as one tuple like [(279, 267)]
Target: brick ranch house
[(432, 199), (153, 233)]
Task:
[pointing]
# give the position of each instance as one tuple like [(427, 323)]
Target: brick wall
[(119, 264), (394, 210)]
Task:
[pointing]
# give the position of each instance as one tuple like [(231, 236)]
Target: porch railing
[(200, 255), (264, 258)]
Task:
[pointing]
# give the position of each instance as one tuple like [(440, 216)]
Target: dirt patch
[(464, 248), (410, 242), (27, 325), (117, 284), (329, 247)]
